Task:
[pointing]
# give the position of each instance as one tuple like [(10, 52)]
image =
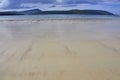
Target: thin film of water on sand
[(60, 50)]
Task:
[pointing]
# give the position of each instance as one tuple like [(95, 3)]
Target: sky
[(108, 5)]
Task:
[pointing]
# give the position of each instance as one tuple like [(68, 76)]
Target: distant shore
[(73, 11)]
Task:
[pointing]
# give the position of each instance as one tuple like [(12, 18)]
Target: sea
[(56, 16)]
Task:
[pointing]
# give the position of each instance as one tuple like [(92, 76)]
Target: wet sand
[(60, 50)]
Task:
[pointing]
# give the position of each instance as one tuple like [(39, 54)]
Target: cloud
[(38, 1), (4, 3), (111, 1), (113, 5), (81, 1), (59, 1), (43, 4), (36, 5), (17, 3)]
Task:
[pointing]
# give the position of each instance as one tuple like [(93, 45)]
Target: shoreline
[(58, 19), (87, 29)]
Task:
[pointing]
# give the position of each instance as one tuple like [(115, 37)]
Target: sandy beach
[(60, 50)]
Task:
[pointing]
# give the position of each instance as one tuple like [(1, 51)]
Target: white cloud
[(59, 1), (36, 5), (111, 2), (4, 3)]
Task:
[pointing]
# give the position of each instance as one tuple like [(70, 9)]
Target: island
[(74, 11)]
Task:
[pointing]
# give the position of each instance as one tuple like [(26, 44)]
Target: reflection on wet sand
[(60, 50)]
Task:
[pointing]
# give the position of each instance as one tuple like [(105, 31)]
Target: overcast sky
[(109, 5)]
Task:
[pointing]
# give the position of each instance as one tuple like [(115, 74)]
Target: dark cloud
[(81, 1), (70, 5), (16, 3), (52, 6), (40, 1)]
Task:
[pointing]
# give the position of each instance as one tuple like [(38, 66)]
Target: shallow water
[(56, 17), (61, 29)]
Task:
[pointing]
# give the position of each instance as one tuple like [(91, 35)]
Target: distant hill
[(31, 12), (26, 12), (38, 12), (10, 13), (83, 12)]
